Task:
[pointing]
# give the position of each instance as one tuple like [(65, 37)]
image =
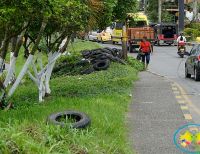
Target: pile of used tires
[(100, 59), (90, 61)]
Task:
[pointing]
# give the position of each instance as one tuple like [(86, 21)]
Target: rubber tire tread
[(82, 123), (104, 67)]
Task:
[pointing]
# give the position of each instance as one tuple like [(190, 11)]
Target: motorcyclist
[(181, 40)]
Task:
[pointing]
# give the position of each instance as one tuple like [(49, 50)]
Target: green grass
[(104, 96), (79, 45)]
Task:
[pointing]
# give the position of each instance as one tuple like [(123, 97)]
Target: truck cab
[(117, 32)]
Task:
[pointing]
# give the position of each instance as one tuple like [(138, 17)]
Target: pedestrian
[(145, 49)]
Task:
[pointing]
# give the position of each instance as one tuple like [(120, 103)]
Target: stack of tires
[(100, 59)]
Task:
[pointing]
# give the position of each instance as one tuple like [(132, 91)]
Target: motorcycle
[(181, 49)]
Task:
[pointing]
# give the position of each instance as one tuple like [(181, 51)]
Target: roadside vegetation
[(152, 12), (192, 31), (33, 36), (103, 95)]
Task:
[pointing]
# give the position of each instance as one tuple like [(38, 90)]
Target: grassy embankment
[(104, 96)]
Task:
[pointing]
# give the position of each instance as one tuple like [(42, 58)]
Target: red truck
[(136, 34), (165, 34)]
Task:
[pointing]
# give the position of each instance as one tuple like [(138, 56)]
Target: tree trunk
[(29, 60), (16, 45), (4, 49), (21, 75), (11, 71)]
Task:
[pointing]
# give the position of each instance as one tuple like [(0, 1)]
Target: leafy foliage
[(192, 31), (152, 11), (123, 7), (135, 63)]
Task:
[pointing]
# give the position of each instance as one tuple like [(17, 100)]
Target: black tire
[(107, 50), (182, 56), (94, 61), (196, 75), (113, 42), (116, 52), (88, 71), (81, 119), (187, 75), (86, 53), (101, 65), (99, 58), (82, 63), (158, 43)]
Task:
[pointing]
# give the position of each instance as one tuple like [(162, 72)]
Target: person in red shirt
[(145, 49)]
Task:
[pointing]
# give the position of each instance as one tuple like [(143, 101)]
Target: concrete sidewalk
[(154, 116)]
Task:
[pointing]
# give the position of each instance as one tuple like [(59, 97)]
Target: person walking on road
[(145, 49)]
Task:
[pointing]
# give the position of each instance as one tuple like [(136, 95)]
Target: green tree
[(38, 20), (123, 7), (152, 12), (111, 10)]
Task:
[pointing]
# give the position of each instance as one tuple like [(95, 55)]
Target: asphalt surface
[(153, 117)]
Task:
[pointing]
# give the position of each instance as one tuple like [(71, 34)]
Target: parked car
[(93, 35), (105, 35), (192, 64)]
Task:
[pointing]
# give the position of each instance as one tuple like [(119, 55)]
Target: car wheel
[(187, 75), (158, 43), (113, 42), (196, 75)]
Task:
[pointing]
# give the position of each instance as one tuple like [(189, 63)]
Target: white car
[(93, 36)]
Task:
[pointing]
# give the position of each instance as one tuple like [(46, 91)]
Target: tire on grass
[(81, 119), (87, 71), (86, 53), (101, 65), (83, 63)]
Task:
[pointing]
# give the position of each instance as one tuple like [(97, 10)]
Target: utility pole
[(159, 11), (181, 15), (124, 42)]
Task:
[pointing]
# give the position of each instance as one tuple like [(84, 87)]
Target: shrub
[(135, 63)]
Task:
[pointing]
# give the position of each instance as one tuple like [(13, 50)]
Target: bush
[(135, 63), (192, 31)]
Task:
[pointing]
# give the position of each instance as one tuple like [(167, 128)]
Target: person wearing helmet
[(181, 39)]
